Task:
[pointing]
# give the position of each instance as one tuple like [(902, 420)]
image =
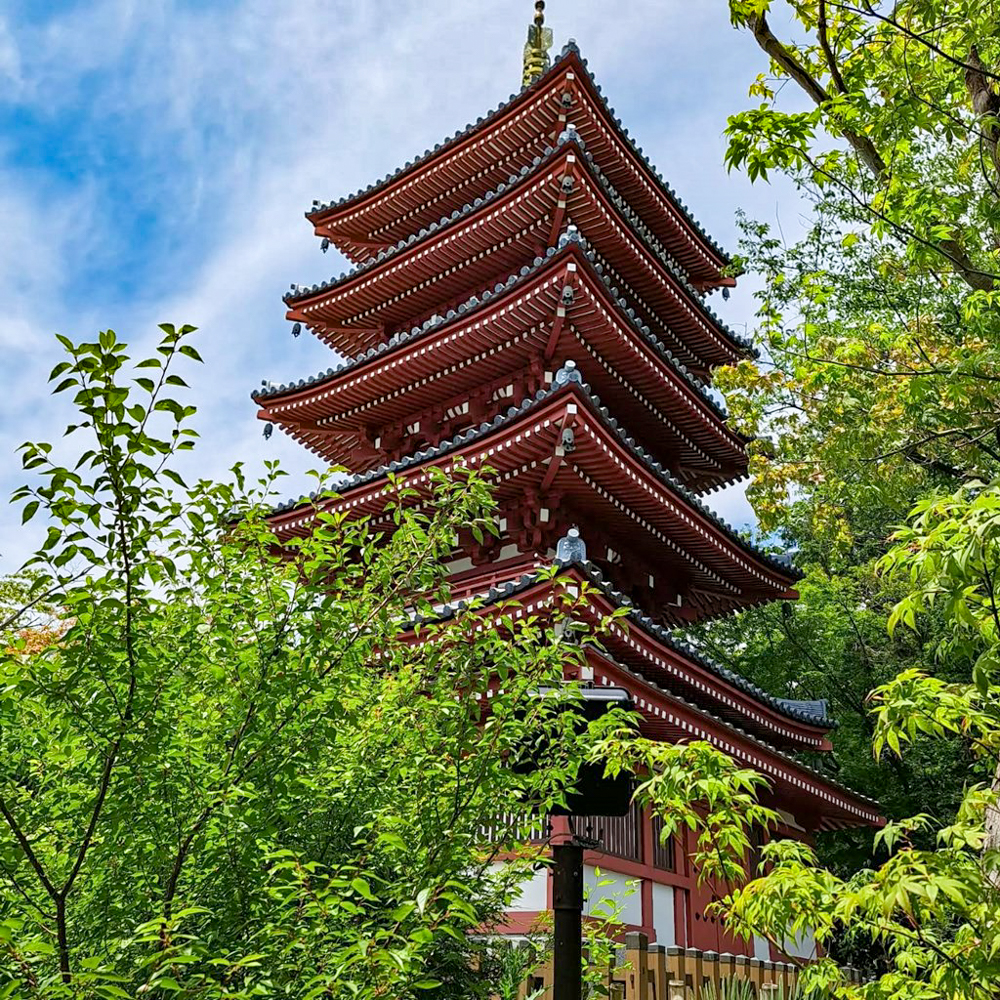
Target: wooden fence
[(645, 972)]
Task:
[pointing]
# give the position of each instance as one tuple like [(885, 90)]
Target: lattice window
[(664, 853)]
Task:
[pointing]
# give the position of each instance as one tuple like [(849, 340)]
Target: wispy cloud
[(10, 58), (159, 155)]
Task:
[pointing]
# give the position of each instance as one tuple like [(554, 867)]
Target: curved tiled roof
[(568, 375), (301, 292), (800, 711), (461, 312), (512, 589), (789, 758), (571, 49), (816, 707)]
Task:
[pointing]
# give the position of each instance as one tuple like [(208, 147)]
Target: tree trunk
[(62, 939), (986, 105)]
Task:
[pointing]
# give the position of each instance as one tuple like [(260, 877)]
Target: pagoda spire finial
[(536, 49)]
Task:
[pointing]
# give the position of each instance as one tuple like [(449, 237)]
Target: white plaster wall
[(663, 914), (533, 895), (620, 890)]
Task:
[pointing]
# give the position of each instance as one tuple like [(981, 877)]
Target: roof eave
[(304, 387), (516, 590), (568, 380), (302, 296)]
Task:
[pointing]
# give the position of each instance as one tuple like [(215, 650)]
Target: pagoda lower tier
[(468, 252), (680, 696), (438, 379), (560, 460)]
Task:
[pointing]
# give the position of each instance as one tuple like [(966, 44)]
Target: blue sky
[(156, 157)]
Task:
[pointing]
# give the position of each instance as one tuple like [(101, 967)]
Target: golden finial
[(536, 49)]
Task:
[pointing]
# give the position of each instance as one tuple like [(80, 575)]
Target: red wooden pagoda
[(530, 295)]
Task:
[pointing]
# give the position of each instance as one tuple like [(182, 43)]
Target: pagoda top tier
[(483, 154), (467, 251)]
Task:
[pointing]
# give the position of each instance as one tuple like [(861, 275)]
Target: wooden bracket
[(558, 454), (569, 278)]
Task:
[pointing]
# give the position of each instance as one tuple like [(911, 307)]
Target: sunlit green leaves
[(877, 392), (228, 769)]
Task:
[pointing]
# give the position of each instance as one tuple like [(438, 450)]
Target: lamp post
[(567, 904), (593, 795)]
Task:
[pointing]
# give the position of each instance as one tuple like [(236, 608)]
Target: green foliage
[(694, 786), (877, 386), (876, 403), (232, 774), (833, 644), (509, 964), (237, 766), (602, 935), (744, 989), (881, 324), (932, 911), (932, 906)]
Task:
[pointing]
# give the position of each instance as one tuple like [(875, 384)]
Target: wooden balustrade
[(512, 826), (620, 836), (655, 972)]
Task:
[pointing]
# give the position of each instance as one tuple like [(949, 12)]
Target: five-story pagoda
[(530, 296)]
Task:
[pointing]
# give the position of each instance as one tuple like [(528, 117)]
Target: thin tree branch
[(916, 36), (824, 41), (773, 46), (29, 852)]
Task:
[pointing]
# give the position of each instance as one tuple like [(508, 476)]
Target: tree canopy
[(877, 454)]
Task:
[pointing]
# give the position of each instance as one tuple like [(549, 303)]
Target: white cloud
[(10, 58)]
